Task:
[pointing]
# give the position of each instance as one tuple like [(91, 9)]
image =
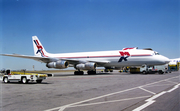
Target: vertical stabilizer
[(38, 48)]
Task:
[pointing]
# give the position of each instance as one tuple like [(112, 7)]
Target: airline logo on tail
[(40, 48)]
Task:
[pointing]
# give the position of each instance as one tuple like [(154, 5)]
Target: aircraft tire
[(78, 73), (81, 72), (91, 72), (75, 72)]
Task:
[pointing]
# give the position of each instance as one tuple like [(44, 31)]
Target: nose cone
[(165, 59), (161, 60)]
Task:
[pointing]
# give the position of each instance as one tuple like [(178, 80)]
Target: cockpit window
[(156, 53)]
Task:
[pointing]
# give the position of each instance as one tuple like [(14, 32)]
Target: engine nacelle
[(86, 66), (58, 65)]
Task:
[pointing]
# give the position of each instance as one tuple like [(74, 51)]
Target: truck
[(22, 77), (161, 69)]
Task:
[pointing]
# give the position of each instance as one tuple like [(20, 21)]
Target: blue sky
[(87, 25)]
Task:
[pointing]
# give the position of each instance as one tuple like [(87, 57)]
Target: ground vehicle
[(22, 77), (174, 66), (161, 69)]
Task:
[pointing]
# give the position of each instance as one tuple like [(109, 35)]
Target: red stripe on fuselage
[(105, 56)]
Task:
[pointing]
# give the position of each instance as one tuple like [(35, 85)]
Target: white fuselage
[(136, 57)]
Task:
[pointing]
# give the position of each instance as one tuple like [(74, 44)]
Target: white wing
[(49, 59)]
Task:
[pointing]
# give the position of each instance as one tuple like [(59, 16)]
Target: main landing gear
[(78, 72), (91, 72), (82, 73)]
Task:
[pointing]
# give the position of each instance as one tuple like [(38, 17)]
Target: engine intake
[(86, 66), (58, 65)]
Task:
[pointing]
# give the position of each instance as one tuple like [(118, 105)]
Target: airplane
[(174, 61), (91, 60)]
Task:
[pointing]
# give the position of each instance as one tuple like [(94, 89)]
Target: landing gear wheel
[(78, 73), (91, 72)]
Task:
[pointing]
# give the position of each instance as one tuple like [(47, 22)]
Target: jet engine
[(86, 66), (58, 64)]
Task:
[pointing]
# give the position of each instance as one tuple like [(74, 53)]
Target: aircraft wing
[(48, 59), (41, 59)]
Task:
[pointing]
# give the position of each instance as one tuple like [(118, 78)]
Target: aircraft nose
[(166, 60), (163, 59)]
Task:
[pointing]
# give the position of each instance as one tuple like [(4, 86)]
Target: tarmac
[(101, 92)]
